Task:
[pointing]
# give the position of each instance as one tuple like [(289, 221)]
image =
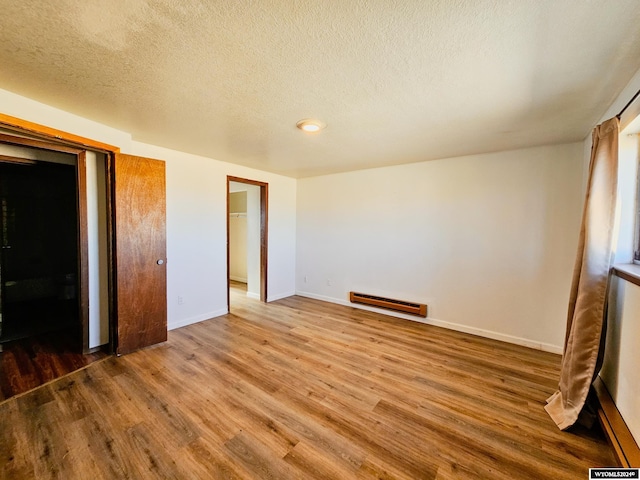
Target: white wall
[(196, 215), (253, 241), (487, 241), (238, 248), (196, 232), (237, 233), (626, 205), (98, 261), (26, 109)]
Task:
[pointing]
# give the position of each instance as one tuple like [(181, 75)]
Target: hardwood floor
[(27, 363), (301, 389)]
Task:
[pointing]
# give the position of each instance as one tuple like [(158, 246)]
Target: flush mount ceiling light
[(309, 125)]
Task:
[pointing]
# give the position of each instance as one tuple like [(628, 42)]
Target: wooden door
[(140, 252)]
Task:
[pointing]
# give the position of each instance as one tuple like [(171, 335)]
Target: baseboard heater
[(411, 308)]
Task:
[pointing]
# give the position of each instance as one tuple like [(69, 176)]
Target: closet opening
[(39, 254), (53, 236)]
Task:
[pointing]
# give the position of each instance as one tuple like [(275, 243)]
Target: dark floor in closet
[(30, 362)]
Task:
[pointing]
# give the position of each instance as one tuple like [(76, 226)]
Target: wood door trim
[(59, 136), (111, 242), (264, 235), (39, 144), (83, 248), (21, 161), (231, 178), (228, 251), (264, 240)]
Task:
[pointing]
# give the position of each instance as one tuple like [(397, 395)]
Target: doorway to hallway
[(247, 202)]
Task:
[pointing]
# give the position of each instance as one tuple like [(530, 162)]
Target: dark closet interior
[(39, 259)]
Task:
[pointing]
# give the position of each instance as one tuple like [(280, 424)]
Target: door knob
[(160, 262)]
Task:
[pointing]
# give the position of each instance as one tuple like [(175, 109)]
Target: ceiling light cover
[(310, 125)]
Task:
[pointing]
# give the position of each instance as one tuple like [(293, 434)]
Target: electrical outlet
[(305, 279), (180, 300), (329, 282)]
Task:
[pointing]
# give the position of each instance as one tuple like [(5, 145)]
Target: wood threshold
[(628, 271), (53, 380), (624, 445)]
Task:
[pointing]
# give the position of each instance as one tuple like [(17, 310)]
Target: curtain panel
[(586, 319)]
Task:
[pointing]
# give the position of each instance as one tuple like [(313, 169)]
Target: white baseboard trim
[(237, 279), (196, 319), (525, 342), (480, 332), (280, 296), (255, 296)]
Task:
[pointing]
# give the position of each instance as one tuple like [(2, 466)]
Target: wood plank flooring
[(301, 389)]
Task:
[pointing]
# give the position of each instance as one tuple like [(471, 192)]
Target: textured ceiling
[(397, 81)]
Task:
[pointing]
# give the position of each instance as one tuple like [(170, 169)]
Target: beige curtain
[(586, 320)]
